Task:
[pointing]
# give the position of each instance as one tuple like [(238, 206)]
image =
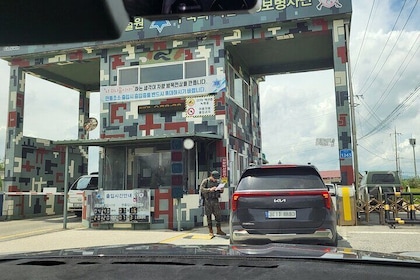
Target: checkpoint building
[(179, 98)]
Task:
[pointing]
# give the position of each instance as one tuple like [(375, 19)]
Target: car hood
[(271, 251)]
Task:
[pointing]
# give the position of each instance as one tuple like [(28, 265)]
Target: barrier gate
[(398, 202), (392, 208)]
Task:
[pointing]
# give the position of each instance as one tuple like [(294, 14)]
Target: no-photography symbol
[(191, 111)]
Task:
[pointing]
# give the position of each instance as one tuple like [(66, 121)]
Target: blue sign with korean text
[(345, 153)]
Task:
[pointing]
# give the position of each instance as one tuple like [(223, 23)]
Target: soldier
[(211, 201)]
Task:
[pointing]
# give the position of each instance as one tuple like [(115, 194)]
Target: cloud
[(386, 74), (294, 115)]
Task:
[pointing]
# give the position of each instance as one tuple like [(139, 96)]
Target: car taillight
[(235, 202), (327, 199)]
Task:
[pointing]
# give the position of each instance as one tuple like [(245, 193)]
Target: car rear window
[(384, 179), (282, 178)]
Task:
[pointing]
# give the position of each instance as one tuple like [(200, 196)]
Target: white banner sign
[(167, 89), (125, 206)]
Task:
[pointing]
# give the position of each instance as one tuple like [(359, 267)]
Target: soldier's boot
[(211, 231), (220, 231)]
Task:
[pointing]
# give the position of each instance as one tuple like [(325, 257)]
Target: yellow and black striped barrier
[(399, 204)]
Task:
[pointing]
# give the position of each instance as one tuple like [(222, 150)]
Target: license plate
[(291, 214)]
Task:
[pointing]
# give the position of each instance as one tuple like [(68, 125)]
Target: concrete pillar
[(342, 100), (14, 131)]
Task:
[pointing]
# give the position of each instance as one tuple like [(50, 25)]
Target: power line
[(387, 60), (393, 81), (372, 153), (383, 49), (363, 40), (396, 112)]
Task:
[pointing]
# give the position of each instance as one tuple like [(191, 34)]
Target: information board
[(121, 206)]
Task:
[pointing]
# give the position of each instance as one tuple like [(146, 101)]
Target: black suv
[(282, 203)]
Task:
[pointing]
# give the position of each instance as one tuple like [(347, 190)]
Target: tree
[(413, 183)]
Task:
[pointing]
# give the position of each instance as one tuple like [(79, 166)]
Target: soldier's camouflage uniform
[(211, 202)]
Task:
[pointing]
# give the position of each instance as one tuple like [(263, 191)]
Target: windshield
[(158, 126), (86, 183)]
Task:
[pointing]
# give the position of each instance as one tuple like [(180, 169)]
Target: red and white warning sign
[(200, 106), (190, 112)]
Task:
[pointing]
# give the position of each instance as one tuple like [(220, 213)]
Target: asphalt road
[(47, 233)]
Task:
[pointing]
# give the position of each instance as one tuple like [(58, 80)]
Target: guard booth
[(346, 206), (179, 98)]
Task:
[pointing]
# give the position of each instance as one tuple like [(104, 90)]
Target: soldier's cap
[(215, 174)]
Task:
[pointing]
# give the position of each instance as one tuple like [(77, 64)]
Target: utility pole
[(397, 165), (352, 116), (413, 144)]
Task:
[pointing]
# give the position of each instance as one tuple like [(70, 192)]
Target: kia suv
[(282, 203), (75, 194)]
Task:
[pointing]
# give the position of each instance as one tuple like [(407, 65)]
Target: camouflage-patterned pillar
[(342, 102), (83, 113), (14, 132), (84, 100)]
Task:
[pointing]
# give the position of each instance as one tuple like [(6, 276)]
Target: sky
[(384, 65), (298, 109)]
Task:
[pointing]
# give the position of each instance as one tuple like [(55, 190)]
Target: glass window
[(284, 182), (195, 69), (128, 76), (246, 96), (152, 170), (86, 183), (154, 74), (162, 72), (383, 179), (114, 169), (238, 90)]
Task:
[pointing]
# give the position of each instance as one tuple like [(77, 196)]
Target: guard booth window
[(153, 73), (152, 170), (114, 169)]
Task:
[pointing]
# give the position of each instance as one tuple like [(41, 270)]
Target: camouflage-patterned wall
[(283, 31), (32, 164), (271, 12), (123, 120), (148, 117), (38, 164)]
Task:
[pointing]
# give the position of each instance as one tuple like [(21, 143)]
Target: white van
[(332, 189), (75, 194)]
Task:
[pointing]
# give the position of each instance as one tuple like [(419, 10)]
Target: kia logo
[(279, 200)]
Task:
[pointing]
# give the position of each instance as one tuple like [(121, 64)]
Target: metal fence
[(391, 208)]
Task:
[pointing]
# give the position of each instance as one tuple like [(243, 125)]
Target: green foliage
[(413, 183)]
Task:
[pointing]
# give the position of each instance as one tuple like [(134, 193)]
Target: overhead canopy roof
[(109, 142), (81, 75), (304, 52)]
